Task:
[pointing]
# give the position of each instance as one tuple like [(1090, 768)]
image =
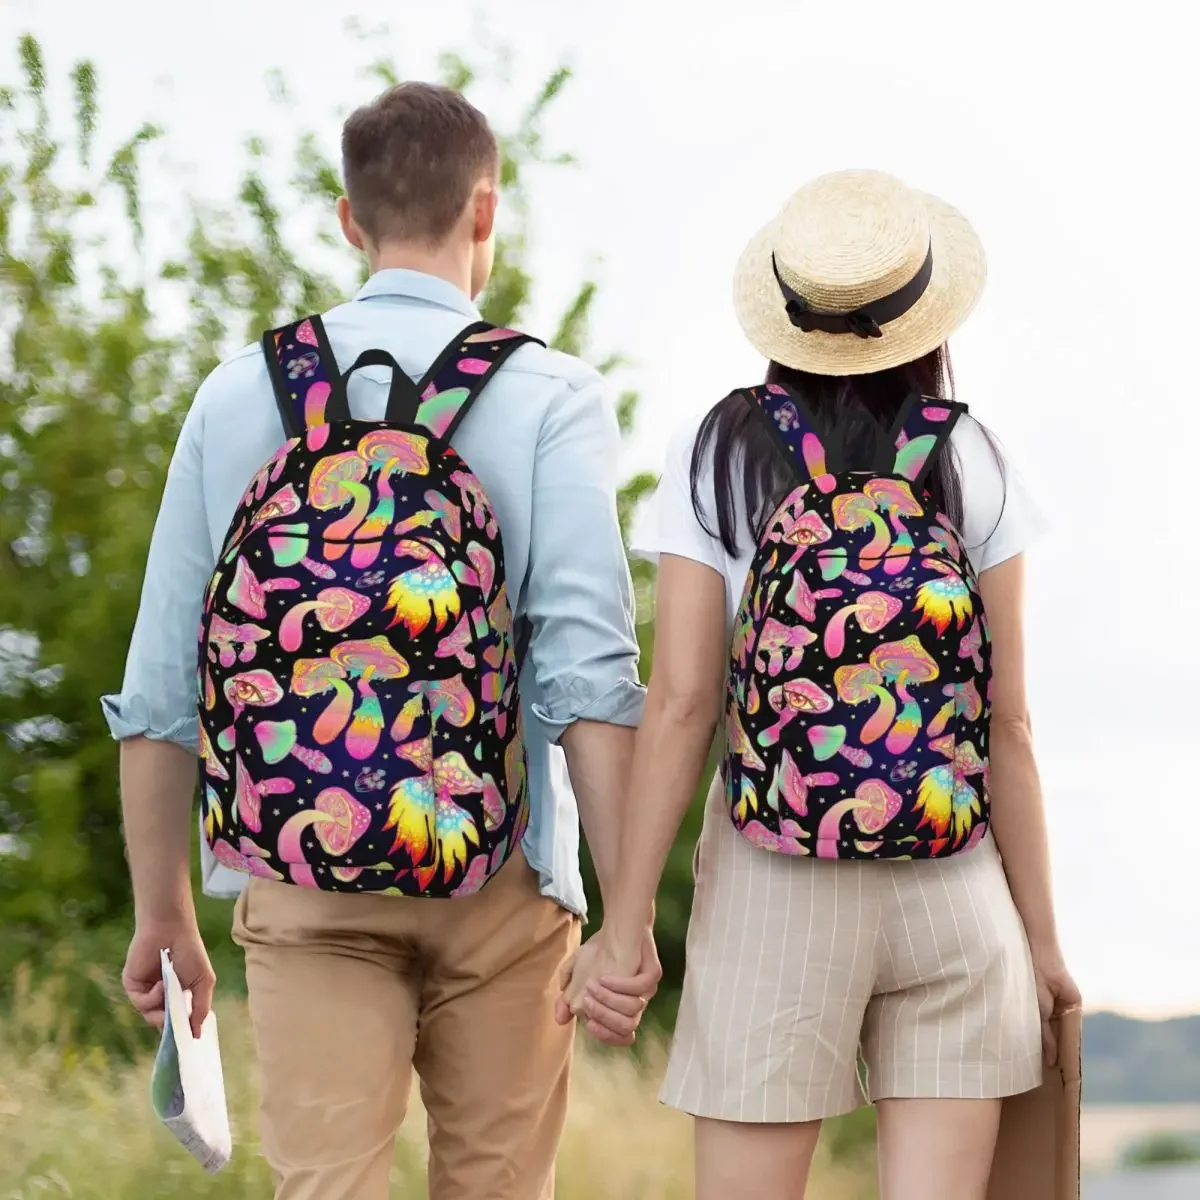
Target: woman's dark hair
[(854, 415)]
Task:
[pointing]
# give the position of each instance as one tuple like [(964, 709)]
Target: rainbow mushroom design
[(895, 497), (337, 820), (386, 452), (854, 511), (874, 806), (335, 482), (860, 683), (335, 608), (371, 659), (945, 794), (828, 740), (250, 858), (475, 502), (901, 664), (963, 700), (939, 600), (874, 610), (423, 593)]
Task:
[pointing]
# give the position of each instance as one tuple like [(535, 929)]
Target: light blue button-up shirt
[(543, 440)]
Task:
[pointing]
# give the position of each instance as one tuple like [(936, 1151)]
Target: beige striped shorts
[(798, 968)]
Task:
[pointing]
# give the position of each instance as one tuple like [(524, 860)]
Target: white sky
[(1068, 138)]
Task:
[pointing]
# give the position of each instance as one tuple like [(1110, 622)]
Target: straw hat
[(858, 273)]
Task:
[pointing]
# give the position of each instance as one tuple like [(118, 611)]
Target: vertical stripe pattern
[(795, 965)]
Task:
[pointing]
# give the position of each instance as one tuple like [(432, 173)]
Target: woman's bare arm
[(1018, 812)]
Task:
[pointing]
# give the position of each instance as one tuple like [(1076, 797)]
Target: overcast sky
[(1067, 137)]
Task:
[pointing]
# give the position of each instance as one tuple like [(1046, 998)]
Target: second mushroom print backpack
[(859, 685), (360, 726)]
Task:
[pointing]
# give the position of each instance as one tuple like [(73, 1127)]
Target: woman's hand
[(609, 987), (1056, 993)]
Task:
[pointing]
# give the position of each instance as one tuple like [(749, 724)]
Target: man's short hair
[(410, 160)]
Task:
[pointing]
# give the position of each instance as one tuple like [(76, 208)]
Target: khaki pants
[(348, 993)]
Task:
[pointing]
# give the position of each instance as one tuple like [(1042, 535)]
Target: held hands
[(609, 987), (1056, 993), (142, 976)]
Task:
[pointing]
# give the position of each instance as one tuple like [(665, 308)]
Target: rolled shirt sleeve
[(578, 594), (158, 695)]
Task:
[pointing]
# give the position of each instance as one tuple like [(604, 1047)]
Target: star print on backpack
[(858, 701), (360, 725)]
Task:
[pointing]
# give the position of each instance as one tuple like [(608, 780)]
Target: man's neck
[(449, 263)]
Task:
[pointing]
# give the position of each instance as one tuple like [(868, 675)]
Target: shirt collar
[(416, 285)]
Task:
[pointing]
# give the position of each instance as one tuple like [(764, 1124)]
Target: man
[(349, 992)]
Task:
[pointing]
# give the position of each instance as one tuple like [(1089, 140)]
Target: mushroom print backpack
[(858, 697), (360, 726)]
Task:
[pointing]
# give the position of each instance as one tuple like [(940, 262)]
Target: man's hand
[(610, 989), (142, 976)]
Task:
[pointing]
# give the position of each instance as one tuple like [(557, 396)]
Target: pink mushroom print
[(372, 659), (963, 700), (337, 820), (854, 511), (874, 611), (457, 644), (448, 515), (249, 859), (791, 785), (787, 841), (475, 502), (874, 806), (447, 700), (802, 600), (862, 682), (284, 503), (477, 875), (229, 643), (789, 700), (386, 452), (903, 663), (828, 740), (335, 482), (269, 472), (945, 795), (277, 739), (248, 595), (249, 794), (289, 548), (315, 677), (335, 608), (972, 645), (780, 645), (895, 497), (258, 689)]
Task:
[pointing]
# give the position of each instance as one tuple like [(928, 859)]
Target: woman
[(847, 537)]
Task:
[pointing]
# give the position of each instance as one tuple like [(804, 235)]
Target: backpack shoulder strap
[(794, 430), (922, 429), (461, 372), (308, 387)]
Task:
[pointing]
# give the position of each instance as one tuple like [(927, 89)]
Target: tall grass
[(75, 1123)]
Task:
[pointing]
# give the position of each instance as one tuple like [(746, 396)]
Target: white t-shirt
[(1000, 519)]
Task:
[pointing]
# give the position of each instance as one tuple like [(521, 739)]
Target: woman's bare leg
[(753, 1162), (936, 1149)]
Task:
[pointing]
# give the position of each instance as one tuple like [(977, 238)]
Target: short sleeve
[(1000, 517), (672, 526)]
